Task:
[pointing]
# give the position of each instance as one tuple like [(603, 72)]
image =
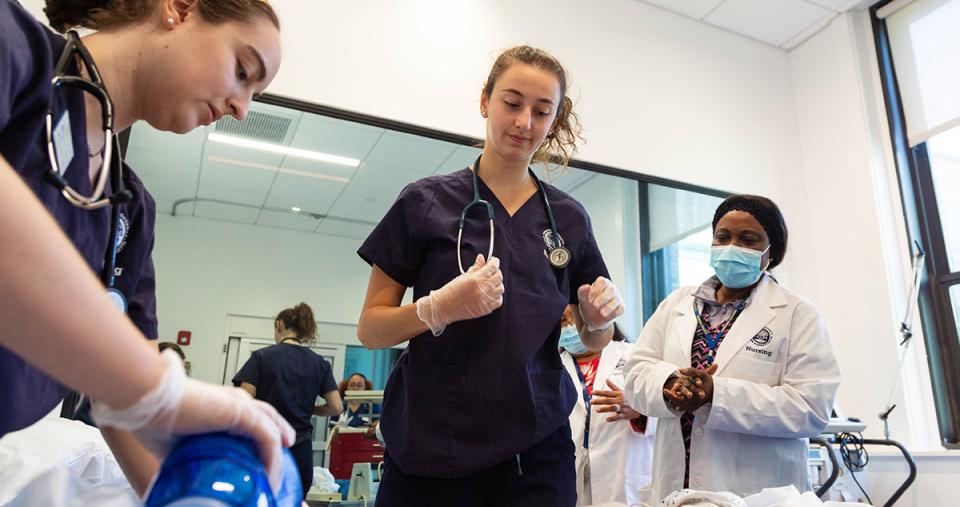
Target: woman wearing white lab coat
[(615, 466), (772, 383)]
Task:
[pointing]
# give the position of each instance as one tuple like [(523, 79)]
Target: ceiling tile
[(808, 32), (143, 136), (171, 165), (771, 21), (308, 194), (233, 195), (238, 175), (836, 5), (347, 229), (383, 177), (411, 152), (288, 221), (166, 207), (335, 137), (320, 170), (220, 151), (167, 188), (363, 203), (461, 157), (226, 212), (693, 8)]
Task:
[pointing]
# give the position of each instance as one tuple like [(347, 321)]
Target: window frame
[(922, 216)]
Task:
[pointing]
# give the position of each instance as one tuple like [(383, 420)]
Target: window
[(915, 44), (676, 240)]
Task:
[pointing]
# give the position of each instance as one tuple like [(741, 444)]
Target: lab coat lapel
[(684, 327), (608, 362), (754, 317)]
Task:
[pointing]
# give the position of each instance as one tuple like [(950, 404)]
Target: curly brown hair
[(103, 14), (561, 143), (342, 387)]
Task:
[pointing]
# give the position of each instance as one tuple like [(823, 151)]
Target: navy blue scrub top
[(289, 377), (28, 53), (486, 388)]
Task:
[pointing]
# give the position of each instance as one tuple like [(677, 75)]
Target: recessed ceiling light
[(295, 209), (283, 150)]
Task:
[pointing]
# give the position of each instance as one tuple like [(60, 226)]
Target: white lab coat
[(620, 458), (775, 387)]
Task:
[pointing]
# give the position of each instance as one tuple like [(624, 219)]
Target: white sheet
[(56, 443)]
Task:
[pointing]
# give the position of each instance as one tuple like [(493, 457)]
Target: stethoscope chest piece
[(118, 299), (559, 257)]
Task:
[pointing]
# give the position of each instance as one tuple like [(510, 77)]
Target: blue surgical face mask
[(736, 267), (570, 340)]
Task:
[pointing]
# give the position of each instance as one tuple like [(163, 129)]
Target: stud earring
[(170, 21)]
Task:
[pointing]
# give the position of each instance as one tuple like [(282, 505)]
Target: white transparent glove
[(182, 406), (600, 304), (473, 294)]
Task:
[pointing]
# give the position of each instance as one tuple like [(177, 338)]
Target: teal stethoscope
[(557, 254), (112, 165)]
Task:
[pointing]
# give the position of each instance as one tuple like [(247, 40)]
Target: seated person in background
[(356, 413), (290, 376), (614, 442)]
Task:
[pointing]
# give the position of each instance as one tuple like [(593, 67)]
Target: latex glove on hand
[(183, 406), (476, 293), (600, 304)]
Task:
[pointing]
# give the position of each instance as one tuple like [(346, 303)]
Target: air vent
[(260, 126)]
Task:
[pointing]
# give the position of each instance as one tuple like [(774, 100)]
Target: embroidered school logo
[(549, 242), (123, 228), (762, 338)]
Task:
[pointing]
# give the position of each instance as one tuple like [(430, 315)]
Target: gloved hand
[(600, 304), (473, 294), (183, 406)]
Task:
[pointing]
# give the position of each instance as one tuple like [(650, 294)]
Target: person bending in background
[(290, 376)]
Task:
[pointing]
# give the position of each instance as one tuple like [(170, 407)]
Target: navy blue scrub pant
[(303, 456), (546, 476)]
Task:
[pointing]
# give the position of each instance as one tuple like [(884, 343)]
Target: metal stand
[(906, 455)]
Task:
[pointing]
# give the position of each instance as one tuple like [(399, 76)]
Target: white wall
[(209, 269), (658, 93), (845, 214)]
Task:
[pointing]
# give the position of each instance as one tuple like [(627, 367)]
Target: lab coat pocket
[(757, 370)]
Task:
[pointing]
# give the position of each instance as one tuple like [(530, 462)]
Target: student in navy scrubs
[(58, 329), (290, 376), (475, 412)]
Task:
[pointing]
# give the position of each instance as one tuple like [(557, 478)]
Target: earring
[(170, 21)]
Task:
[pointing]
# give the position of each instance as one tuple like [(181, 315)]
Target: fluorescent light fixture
[(265, 167), (283, 150), (295, 209)]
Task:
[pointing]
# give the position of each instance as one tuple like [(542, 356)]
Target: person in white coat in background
[(615, 443), (739, 370)]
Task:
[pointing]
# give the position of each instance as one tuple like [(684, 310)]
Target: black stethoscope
[(558, 255), (111, 166)]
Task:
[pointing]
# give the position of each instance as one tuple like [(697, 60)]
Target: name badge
[(63, 142)]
